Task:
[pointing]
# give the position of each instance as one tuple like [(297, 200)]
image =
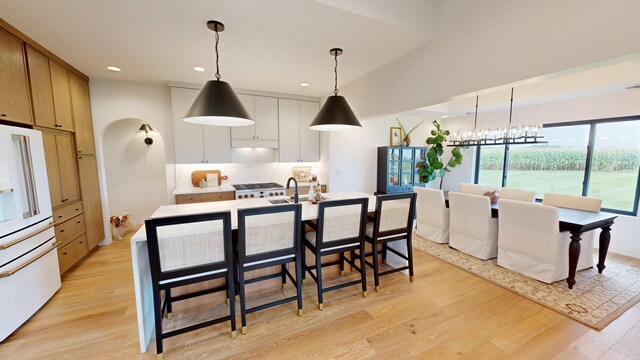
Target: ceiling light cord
[(475, 121), (217, 55), (335, 70)]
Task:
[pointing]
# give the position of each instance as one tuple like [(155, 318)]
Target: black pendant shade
[(335, 115), (217, 104)]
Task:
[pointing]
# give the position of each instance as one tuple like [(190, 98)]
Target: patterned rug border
[(600, 325)]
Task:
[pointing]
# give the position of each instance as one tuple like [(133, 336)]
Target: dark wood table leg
[(605, 238), (574, 255)]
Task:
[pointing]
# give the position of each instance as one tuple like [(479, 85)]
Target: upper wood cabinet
[(61, 96), (90, 190), (62, 171), (41, 91), (81, 108), (297, 142), (14, 89)]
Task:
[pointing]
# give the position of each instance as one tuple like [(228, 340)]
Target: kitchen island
[(140, 255)]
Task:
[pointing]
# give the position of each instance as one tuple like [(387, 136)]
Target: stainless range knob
[(270, 194), (261, 196), (252, 195), (246, 196), (281, 193)]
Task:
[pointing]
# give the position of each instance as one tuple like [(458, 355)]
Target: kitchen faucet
[(295, 196)]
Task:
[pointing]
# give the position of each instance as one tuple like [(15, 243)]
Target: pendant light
[(335, 114), (217, 104)]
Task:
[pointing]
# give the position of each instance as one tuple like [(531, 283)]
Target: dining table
[(140, 254), (577, 222)]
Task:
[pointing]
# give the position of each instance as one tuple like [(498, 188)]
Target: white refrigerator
[(29, 272)]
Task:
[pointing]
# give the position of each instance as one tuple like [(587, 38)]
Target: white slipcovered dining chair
[(432, 215), (475, 189), (530, 242), (578, 203), (472, 230), (517, 194)]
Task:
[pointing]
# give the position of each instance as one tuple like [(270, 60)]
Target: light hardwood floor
[(446, 313)]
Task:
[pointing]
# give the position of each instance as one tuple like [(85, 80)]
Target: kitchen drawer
[(72, 252), (63, 214), (206, 197), (70, 229)]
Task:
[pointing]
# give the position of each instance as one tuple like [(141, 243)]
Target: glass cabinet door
[(407, 166), (420, 160), (393, 167)]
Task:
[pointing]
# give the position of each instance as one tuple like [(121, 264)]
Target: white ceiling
[(610, 78), (268, 45)]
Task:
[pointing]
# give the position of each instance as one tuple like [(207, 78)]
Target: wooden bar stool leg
[(231, 284), (169, 307), (376, 271), (341, 263), (157, 305), (243, 305), (363, 269), (319, 282), (410, 256), (299, 272), (283, 272)]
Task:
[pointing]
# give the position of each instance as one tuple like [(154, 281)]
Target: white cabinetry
[(297, 142), (197, 143), (264, 133)]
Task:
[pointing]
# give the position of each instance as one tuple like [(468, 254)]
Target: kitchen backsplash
[(240, 173)]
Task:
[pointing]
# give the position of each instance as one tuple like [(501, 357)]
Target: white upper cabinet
[(264, 133), (297, 142), (195, 143)]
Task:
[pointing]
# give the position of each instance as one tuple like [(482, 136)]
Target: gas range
[(258, 190)]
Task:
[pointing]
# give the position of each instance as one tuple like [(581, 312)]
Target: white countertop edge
[(197, 190)]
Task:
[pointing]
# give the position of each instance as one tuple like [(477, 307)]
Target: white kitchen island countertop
[(188, 190), (140, 255)]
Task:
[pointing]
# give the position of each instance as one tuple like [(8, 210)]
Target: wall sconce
[(146, 128)]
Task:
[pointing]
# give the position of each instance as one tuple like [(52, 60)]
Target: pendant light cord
[(511, 109), (217, 55), (335, 70), (475, 120)]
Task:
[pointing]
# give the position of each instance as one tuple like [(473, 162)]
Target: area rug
[(595, 300)]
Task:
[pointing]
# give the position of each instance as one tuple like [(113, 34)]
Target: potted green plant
[(406, 139), (434, 165)]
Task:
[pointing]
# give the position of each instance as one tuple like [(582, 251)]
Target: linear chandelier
[(518, 135)]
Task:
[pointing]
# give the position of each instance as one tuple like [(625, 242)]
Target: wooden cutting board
[(196, 176)]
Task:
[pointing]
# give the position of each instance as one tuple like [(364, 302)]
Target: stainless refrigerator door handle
[(26, 237), (8, 273)]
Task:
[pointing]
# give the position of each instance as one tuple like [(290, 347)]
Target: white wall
[(114, 100), (135, 172), (490, 43)]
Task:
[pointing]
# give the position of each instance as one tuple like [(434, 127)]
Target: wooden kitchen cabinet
[(297, 142), (61, 96), (196, 144), (15, 104), (81, 110), (205, 197), (69, 254), (264, 133), (90, 190), (61, 168), (41, 90)]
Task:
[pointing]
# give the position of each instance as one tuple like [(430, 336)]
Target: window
[(598, 158)]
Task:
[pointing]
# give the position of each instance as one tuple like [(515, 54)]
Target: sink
[(279, 201)]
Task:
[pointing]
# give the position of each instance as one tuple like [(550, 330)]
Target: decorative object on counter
[(527, 134), (434, 165), (335, 114), (217, 104), (196, 176), (203, 183), (302, 173), (493, 196), (213, 180), (406, 136), (146, 128), (395, 136)]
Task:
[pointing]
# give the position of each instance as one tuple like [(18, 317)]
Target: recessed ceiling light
[(199, 69), (445, 116), (304, 84), (114, 68)]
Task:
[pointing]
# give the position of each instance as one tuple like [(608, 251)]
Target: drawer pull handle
[(62, 230), (26, 237), (13, 271), (3, 115)]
